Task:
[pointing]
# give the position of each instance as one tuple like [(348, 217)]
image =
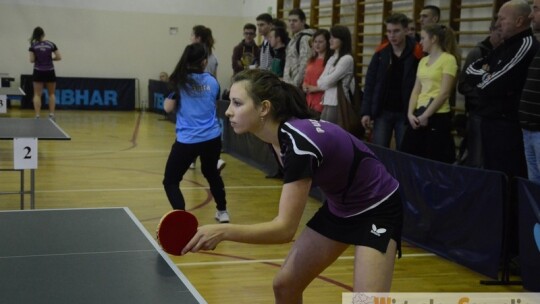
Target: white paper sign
[(25, 153), (3, 104)]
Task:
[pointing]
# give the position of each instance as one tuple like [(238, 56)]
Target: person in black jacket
[(529, 108), (473, 138), (389, 81), (499, 79)]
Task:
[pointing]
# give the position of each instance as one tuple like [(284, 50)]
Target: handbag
[(348, 117), (419, 111)]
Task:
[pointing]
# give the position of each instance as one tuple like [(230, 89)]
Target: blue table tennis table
[(101, 255)]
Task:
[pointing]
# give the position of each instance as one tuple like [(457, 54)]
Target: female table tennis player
[(362, 206), (198, 133)]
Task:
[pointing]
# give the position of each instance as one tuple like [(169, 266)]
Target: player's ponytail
[(190, 62), (37, 35)]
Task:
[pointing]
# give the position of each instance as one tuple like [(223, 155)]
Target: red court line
[(135, 132)]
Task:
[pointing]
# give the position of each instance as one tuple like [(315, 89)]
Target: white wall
[(121, 38)]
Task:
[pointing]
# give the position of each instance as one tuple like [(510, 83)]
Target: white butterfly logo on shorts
[(377, 231)]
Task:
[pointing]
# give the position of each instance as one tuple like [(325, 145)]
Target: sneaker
[(192, 166), (51, 117), (222, 216), (221, 164)]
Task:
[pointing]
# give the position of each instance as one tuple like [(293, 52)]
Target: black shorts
[(44, 76), (373, 228)]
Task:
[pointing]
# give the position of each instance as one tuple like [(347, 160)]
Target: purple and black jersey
[(351, 177), (43, 53)]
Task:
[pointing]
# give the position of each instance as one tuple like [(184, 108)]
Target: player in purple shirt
[(42, 55), (362, 206)]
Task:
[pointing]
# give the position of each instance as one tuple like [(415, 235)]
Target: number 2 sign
[(25, 153)]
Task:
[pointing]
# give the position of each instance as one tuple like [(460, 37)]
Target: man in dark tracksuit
[(499, 78)]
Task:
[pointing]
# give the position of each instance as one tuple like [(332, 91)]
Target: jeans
[(386, 124), (531, 141)]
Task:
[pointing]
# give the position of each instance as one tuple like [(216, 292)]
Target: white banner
[(441, 298)]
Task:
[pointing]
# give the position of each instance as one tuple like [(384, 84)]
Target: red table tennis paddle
[(175, 230)]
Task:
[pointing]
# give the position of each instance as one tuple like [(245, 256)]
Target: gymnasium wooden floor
[(118, 158)]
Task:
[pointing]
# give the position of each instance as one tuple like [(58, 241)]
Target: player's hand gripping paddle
[(175, 230)]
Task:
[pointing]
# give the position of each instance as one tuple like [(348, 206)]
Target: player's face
[(194, 39), (506, 22), (249, 35), (243, 115), (295, 24), (272, 39), (396, 34), (319, 44), (425, 41), (263, 28), (427, 17), (535, 15), (335, 43)]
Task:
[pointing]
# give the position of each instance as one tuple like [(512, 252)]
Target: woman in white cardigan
[(339, 67)]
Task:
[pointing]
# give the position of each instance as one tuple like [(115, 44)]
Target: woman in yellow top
[(429, 115)]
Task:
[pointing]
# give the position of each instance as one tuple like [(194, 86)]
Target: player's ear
[(266, 107)]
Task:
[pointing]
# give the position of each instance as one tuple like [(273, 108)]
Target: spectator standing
[(473, 137), (430, 14), (430, 119), (389, 82), (264, 25), (203, 34), (314, 69), (246, 53), (163, 76), (499, 79), (278, 41), (339, 67), (412, 30), (529, 107), (298, 48)]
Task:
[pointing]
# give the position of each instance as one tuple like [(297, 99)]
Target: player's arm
[(57, 56), (169, 105), (32, 57), (413, 120), (281, 229)]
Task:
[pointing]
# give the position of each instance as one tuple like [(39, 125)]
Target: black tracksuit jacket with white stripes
[(499, 87)]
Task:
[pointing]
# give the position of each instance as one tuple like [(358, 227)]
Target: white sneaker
[(222, 216), (192, 166), (221, 164)]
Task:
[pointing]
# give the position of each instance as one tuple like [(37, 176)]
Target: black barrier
[(449, 210), (529, 233), (157, 92), (85, 93)]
